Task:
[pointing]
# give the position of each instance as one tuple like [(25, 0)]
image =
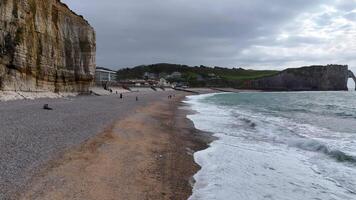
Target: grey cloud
[(345, 5), (351, 16), (210, 32), (324, 19), (290, 41)]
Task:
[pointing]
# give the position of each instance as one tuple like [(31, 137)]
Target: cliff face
[(313, 78), (45, 46)]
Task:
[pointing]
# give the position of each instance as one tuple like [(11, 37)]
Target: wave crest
[(317, 146)]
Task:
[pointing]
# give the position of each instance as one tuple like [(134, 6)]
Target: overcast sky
[(256, 34)]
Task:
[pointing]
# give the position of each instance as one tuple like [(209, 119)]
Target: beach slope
[(146, 155)]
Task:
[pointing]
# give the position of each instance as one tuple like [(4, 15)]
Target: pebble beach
[(32, 138)]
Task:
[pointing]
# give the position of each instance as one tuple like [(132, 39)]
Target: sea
[(276, 145)]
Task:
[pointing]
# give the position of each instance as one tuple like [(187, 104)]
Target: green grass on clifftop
[(198, 75)]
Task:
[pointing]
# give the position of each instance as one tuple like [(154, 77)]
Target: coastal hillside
[(312, 78), (198, 76), (45, 46)]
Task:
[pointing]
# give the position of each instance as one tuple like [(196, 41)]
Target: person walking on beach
[(136, 98), (120, 96)]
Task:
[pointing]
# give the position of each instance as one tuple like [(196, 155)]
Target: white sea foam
[(261, 156)]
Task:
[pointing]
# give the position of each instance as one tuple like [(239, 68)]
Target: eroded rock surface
[(45, 46)]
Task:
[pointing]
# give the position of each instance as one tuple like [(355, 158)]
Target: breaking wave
[(317, 146), (290, 146)]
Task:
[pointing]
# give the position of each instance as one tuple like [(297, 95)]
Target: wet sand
[(146, 155)]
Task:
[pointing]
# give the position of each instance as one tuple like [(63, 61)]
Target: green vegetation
[(198, 76)]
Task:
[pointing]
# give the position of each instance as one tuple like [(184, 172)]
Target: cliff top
[(316, 66), (76, 14)]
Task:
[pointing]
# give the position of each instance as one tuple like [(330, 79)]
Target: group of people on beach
[(121, 97), (46, 106), (169, 96)]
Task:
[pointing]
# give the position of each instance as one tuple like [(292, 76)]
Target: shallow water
[(298, 145)]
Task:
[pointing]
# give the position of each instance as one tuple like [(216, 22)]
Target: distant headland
[(311, 78)]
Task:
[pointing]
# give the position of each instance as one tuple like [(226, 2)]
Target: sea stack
[(44, 46)]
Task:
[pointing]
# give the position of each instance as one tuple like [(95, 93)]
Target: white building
[(163, 83), (176, 75), (104, 75), (148, 75)]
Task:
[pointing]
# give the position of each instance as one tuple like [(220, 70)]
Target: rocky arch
[(352, 76)]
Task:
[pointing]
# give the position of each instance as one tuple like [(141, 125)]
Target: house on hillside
[(163, 75), (200, 77), (105, 76), (134, 82), (213, 76), (163, 83), (148, 75), (176, 75)]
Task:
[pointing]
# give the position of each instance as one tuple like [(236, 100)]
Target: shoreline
[(146, 155)]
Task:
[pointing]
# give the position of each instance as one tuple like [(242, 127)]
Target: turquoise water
[(298, 145), (332, 110)]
